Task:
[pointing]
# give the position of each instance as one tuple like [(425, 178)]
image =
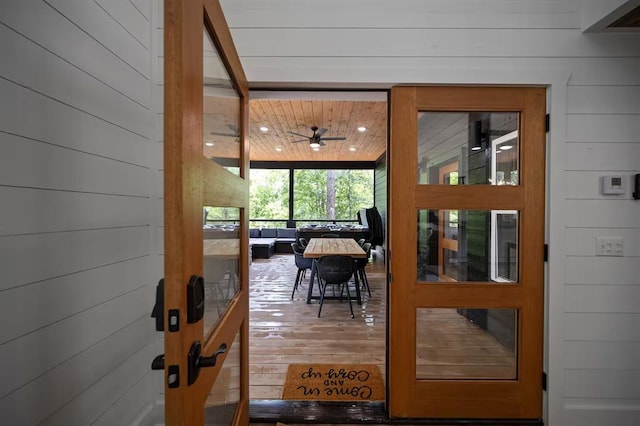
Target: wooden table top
[(319, 247), (222, 248)]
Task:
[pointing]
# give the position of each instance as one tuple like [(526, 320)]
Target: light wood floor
[(285, 331)]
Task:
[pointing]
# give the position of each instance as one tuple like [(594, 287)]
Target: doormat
[(333, 382)]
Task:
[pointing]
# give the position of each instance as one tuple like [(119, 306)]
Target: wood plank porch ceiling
[(341, 117)]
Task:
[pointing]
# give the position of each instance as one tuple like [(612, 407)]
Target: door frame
[(186, 173)]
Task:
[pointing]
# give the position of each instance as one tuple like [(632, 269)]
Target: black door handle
[(196, 361), (158, 363)]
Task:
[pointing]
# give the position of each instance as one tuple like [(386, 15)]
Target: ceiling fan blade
[(231, 135), (321, 132), (298, 134), (339, 138), (321, 143), (301, 140)]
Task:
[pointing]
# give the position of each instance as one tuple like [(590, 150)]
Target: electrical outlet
[(609, 246)]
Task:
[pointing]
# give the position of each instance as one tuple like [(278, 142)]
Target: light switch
[(609, 246)]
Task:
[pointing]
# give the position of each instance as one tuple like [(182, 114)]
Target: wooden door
[(448, 227), (206, 219), (469, 347)]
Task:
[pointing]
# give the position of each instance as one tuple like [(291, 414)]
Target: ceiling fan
[(316, 140), (233, 132)]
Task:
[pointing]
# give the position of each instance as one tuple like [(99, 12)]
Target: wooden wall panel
[(602, 355), (89, 289), (75, 244), (56, 167), (603, 100), (34, 210), (585, 185), (605, 384), (47, 121), (445, 42), (33, 402), (606, 298), (68, 338), (134, 19), (94, 19), (29, 259), (52, 30), (602, 128), (82, 409), (596, 326), (582, 241), (603, 156), (602, 214), (381, 14)]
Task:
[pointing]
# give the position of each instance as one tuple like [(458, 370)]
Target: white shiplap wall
[(77, 212), (593, 346)]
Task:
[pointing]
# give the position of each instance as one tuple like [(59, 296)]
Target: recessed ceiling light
[(209, 143), (264, 129), (352, 149), (278, 149), (506, 147), (362, 129), (476, 148)]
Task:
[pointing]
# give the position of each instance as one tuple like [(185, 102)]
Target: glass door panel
[(466, 343), (484, 247)]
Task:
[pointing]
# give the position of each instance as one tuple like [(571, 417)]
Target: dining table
[(319, 247)]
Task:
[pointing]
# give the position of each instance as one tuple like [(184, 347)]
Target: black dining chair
[(303, 242), (361, 263), (335, 271), (303, 264)]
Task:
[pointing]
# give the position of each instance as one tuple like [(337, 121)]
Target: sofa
[(266, 242)]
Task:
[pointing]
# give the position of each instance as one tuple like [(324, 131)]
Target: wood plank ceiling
[(341, 117)]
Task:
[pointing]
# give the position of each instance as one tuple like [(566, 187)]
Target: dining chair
[(303, 242), (303, 264), (335, 270), (361, 263)]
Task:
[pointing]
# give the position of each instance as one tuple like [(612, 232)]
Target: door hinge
[(547, 123), (544, 381), (546, 252)]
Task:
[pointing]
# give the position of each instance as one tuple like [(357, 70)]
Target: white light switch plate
[(609, 246)]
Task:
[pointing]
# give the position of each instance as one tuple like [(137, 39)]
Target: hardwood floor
[(285, 331)]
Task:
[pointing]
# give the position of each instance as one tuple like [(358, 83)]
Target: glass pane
[(468, 148), (222, 402), (269, 198), (331, 195), (221, 103), (221, 248), (466, 343), (468, 245)]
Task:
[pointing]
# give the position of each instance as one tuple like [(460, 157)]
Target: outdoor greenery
[(318, 194)]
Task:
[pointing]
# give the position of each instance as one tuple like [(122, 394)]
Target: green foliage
[(269, 194)]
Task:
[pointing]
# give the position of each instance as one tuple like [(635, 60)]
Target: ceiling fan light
[(315, 145), (316, 148)]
